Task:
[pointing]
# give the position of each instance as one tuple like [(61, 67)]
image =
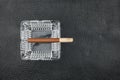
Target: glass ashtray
[(39, 29)]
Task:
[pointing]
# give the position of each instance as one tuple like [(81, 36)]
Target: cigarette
[(50, 40)]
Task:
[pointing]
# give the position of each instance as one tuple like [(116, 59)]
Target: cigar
[(49, 40)]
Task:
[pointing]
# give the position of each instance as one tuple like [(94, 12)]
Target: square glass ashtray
[(39, 29)]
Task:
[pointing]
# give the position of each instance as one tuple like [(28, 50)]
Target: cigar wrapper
[(50, 40)]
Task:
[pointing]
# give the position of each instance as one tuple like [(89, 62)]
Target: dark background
[(94, 54)]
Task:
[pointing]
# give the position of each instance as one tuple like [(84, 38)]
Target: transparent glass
[(39, 29)]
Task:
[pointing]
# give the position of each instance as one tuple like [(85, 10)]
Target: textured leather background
[(94, 24)]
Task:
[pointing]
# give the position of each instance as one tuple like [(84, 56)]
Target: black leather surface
[(94, 25)]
